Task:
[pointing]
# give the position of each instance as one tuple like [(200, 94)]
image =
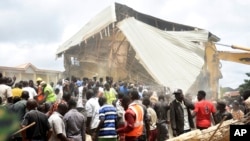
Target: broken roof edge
[(213, 37), (95, 25), (157, 22)]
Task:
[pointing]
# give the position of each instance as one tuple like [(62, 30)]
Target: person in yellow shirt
[(110, 93), (49, 95), (17, 90)]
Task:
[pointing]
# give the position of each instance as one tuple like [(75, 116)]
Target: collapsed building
[(138, 48)]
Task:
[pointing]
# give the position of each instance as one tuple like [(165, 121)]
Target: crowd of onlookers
[(77, 109)]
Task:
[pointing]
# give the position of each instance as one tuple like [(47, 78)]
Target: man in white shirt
[(92, 110), (181, 119), (5, 91), (32, 91), (57, 124)]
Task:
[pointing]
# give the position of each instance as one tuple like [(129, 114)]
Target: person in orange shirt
[(134, 114), (40, 95), (17, 90)]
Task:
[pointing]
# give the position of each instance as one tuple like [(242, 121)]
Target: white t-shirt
[(60, 94), (153, 118), (32, 92), (58, 126), (79, 101), (186, 122), (5, 92), (92, 109)]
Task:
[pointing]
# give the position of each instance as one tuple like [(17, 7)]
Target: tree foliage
[(245, 85)]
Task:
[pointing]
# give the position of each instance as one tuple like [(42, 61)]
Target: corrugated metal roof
[(172, 59), (95, 25)]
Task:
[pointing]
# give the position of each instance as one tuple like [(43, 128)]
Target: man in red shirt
[(203, 110)]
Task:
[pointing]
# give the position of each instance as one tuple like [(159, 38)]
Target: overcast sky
[(32, 30)]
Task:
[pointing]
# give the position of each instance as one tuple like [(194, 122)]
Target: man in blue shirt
[(107, 126)]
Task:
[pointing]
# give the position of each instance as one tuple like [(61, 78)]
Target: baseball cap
[(39, 79)]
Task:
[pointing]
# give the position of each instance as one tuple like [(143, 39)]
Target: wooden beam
[(24, 128)]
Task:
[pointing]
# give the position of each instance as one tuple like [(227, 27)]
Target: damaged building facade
[(134, 47)]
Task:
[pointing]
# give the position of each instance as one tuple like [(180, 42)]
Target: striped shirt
[(108, 113)]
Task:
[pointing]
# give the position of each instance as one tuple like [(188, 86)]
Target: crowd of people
[(109, 111)]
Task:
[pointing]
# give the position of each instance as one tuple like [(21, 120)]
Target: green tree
[(245, 85)]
